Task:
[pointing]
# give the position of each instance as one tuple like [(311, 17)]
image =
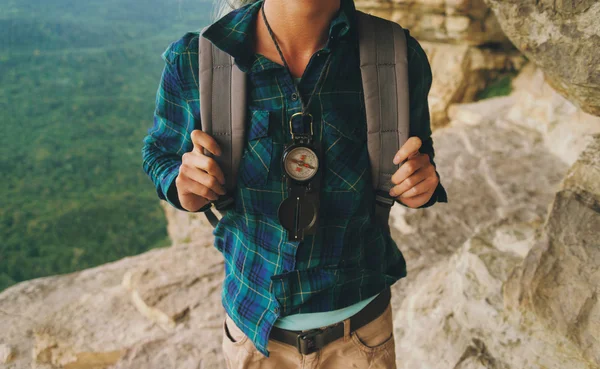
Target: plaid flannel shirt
[(351, 257)]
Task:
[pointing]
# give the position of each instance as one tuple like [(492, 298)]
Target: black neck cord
[(304, 106)]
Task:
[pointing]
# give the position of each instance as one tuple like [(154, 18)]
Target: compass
[(300, 163), (298, 213)]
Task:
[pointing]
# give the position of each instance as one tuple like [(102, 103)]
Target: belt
[(313, 340)]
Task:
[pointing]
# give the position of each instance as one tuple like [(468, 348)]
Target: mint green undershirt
[(298, 322)]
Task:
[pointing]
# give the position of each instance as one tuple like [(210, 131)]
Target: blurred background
[(78, 81)]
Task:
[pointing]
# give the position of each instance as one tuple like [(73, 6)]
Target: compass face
[(301, 163)]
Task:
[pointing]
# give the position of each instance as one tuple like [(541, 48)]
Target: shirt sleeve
[(169, 137), (419, 81)]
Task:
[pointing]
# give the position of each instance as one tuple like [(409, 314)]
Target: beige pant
[(371, 346)]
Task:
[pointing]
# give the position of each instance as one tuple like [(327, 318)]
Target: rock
[(7, 354), (468, 307), (184, 227), (566, 129), (453, 315), (49, 350), (558, 282), (449, 21), (460, 72), (562, 38), (91, 319), (475, 113), (509, 166)]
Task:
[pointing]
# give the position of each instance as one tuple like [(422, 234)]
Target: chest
[(339, 120), (337, 102)]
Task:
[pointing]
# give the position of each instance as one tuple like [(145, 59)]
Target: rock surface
[(450, 21), (157, 310), (460, 72), (484, 287), (456, 35), (559, 282), (494, 303), (6, 354), (563, 38)]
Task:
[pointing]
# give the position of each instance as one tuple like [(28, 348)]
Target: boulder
[(559, 280), (562, 38)]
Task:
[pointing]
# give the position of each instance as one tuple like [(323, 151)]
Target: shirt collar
[(233, 32)]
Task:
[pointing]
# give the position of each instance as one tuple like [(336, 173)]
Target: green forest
[(78, 81)]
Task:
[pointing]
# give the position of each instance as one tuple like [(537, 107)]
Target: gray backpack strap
[(384, 70), (222, 87)]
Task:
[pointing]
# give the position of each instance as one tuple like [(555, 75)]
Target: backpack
[(383, 61)]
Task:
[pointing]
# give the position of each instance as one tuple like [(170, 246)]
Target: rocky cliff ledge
[(503, 276)]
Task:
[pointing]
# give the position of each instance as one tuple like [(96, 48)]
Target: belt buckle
[(309, 341)]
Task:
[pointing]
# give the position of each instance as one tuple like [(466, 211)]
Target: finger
[(409, 147), (205, 163), (203, 140), (425, 186), (415, 201), (204, 178), (413, 154), (191, 186), (416, 178), (410, 166)]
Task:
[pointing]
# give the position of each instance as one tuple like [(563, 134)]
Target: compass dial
[(301, 163)]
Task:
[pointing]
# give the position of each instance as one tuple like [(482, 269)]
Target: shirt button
[(276, 310), (294, 96)]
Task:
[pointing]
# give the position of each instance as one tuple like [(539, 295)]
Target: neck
[(300, 27)]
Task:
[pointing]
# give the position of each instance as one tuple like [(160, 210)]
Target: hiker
[(309, 259)]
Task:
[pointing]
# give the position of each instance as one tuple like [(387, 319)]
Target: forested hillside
[(77, 87)]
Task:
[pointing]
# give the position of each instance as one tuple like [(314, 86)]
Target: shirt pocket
[(258, 151), (345, 151)]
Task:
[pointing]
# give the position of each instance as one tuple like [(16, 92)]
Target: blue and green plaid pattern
[(351, 257)]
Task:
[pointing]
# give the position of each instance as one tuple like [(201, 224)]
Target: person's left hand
[(416, 179)]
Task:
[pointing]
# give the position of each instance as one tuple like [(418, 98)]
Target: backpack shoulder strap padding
[(384, 73), (222, 91), (222, 106)]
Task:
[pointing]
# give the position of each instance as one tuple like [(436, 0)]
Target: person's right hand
[(200, 178)]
